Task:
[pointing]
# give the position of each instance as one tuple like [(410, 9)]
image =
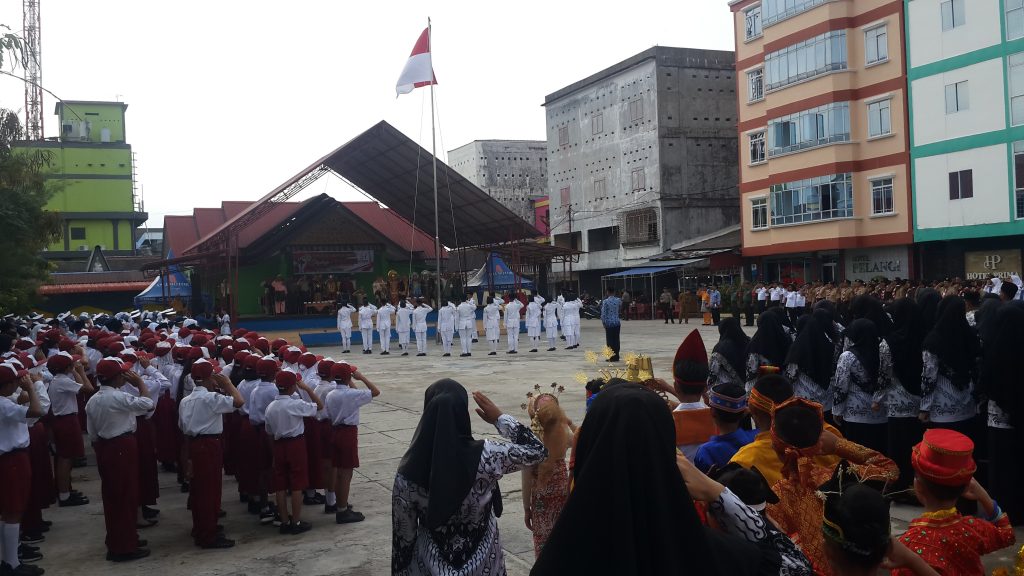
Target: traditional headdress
[(757, 400), (856, 515), (944, 457), (782, 438), (720, 400), (531, 400), (691, 361)]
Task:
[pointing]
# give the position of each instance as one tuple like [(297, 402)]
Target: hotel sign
[(872, 263), (998, 263)]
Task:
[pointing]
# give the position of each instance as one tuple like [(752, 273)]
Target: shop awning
[(644, 271)]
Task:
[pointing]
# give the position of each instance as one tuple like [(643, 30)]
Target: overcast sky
[(227, 99)]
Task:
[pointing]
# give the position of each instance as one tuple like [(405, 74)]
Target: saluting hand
[(488, 411)]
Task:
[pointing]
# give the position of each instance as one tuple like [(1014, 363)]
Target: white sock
[(332, 499), (65, 495), (10, 538)]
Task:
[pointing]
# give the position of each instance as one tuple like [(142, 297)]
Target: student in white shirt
[(492, 324), (284, 423), (343, 405), (403, 324), (512, 310), (467, 321), (68, 380), (384, 327), (345, 312), (366, 313), (446, 321), (15, 465), (419, 326)]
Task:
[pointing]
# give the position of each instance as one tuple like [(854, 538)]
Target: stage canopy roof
[(397, 172), (645, 271), (501, 276)]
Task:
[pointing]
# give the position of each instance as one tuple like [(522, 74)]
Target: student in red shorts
[(343, 405), (68, 379), (284, 423)]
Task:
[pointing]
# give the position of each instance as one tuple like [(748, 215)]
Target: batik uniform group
[(149, 391), (543, 320)]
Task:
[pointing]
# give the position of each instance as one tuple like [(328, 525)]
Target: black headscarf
[(954, 342), (780, 313), (732, 343), (813, 352), (905, 343), (626, 451), (443, 457), (1004, 363), (928, 302), (984, 318), (863, 336), (771, 340), (867, 306)]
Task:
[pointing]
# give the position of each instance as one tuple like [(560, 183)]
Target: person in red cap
[(68, 379), (694, 424), (15, 465), (43, 492), (263, 393), (145, 434), (343, 404), (201, 417), (952, 544), (111, 416), (285, 424)]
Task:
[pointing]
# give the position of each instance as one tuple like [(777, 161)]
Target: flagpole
[(433, 153)]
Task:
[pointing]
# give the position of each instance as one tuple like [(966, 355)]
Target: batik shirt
[(468, 544), (853, 403), (899, 402), (943, 401), (997, 418), (735, 517), (953, 544), (720, 371), (805, 387), (754, 362)]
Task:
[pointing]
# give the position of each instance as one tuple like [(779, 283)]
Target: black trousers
[(871, 436), (716, 315), (904, 433), (666, 311), (1005, 471), (611, 338), (750, 314)]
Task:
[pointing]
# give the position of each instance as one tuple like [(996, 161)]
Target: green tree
[(26, 228)]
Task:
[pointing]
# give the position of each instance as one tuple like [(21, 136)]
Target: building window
[(812, 57), (1018, 178), (956, 97), (881, 196), (638, 226), (809, 128), (811, 200), (876, 45), (775, 10), (597, 123), (77, 233), (953, 14), (636, 110), (961, 185), (1016, 73), (1014, 19), (753, 22), (759, 213), (599, 189), (755, 84), (757, 148), (563, 196), (638, 180), (879, 119), (563, 135)]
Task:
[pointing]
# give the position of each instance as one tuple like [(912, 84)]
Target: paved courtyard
[(75, 543)]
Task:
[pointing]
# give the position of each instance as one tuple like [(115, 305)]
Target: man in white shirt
[(201, 417), (551, 324), (343, 404), (285, 424), (571, 322), (512, 310), (492, 324), (762, 298), (792, 299), (366, 313), (419, 326), (345, 312), (111, 415), (384, 327), (533, 321), (446, 321), (403, 322), (467, 320)]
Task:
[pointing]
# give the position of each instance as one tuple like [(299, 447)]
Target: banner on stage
[(333, 262)]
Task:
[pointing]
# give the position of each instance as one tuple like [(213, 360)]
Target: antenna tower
[(33, 71)]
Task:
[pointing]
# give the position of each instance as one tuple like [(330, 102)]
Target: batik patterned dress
[(468, 544), (548, 500)]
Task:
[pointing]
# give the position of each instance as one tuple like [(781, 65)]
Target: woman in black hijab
[(928, 302), (950, 359), (769, 346), (862, 379), (445, 496), (629, 494), (903, 402), (1000, 380), (867, 306), (810, 361), (727, 359)]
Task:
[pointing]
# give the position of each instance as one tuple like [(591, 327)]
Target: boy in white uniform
[(446, 326), (492, 324), (512, 310), (419, 326), (403, 322), (284, 423), (467, 320), (366, 313), (384, 327), (571, 323), (343, 405), (345, 312), (551, 324), (533, 313)]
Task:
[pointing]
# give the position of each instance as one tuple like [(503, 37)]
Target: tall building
[(966, 69), (824, 162), (513, 172), (93, 179), (641, 156)]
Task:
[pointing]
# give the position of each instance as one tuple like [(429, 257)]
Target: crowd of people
[(151, 392)]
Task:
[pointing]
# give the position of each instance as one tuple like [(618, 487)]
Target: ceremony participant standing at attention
[(225, 323), (810, 363), (419, 325), (43, 492), (446, 321), (447, 483), (903, 397), (345, 312), (366, 314), (512, 310), (15, 465), (403, 323), (768, 347), (664, 304), (571, 323), (727, 360), (68, 379), (492, 325), (551, 324), (201, 417), (610, 320), (384, 327), (467, 320), (111, 415), (342, 406), (533, 313), (861, 381), (284, 423), (716, 305), (950, 353), (263, 393)]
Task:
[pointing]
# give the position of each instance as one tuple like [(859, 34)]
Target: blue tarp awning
[(644, 271), (500, 275), (178, 287)]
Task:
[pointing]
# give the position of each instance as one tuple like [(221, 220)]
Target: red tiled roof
[(390, 224), (51, 289)]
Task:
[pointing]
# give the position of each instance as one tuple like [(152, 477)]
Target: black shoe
[(32, 538), (220, 542), (422, 354), (21, 570), (330, 508), (552, 349), (149, 513), (300, 527), (475, 340), (139, 553), (405, 353), (254, 507), (278, 521), (613, 359), (145, 523), (345, 351), (463, 355), (269, 517), (285, 528), (348, 516), (73, 500), (533, 350), (568, 347), (445, 355), (385, 353), (492, 353), (29, 554)]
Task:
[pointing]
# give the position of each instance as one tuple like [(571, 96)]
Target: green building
[(93, 179)]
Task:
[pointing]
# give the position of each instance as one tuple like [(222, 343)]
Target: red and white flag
[(418, 71)]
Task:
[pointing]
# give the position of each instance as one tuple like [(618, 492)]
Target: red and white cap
[(203, 369), (110, 367)]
